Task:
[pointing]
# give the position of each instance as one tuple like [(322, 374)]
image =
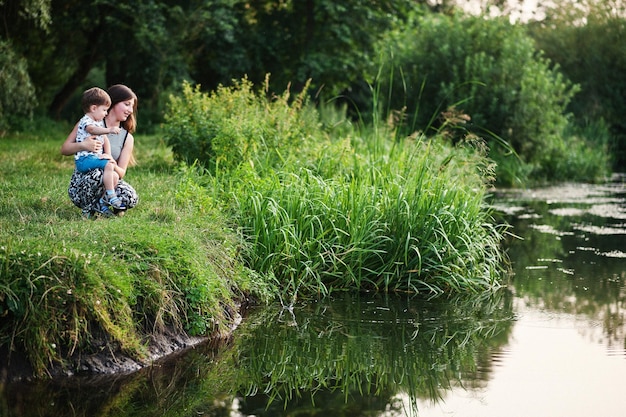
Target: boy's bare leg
[(108, 176), (110, 179)]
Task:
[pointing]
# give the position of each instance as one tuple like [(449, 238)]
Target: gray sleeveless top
[(117, 142)]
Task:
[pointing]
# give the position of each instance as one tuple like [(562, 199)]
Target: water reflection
[(548, 369), (565, 355), (348, 356), (572, 259), (198, 380)]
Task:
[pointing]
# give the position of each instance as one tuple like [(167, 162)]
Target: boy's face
[(98, 112)]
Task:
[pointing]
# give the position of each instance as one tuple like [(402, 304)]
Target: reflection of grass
[(344, 357), (200, 382), (358, 349)]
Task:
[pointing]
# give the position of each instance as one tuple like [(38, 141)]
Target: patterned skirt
[(86, 189)]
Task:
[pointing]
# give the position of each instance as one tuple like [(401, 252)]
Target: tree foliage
[(152, 45), (17, 95), (322, 40), (17, 92), (588, 43), (487, 69)]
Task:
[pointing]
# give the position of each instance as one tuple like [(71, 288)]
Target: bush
[(488, 69), (234, 125), (587, 43), (17, 94)]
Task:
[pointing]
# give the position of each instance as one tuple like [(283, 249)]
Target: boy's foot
[(113, 201), (88, 214), (104, 210)]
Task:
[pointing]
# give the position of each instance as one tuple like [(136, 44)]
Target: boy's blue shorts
[(89, 162)]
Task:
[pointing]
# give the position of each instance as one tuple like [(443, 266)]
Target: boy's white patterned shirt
[(82, 134)]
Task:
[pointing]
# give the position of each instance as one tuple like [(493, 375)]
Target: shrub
[(234, 125), (586, 42), (488, 69), (17, 94)]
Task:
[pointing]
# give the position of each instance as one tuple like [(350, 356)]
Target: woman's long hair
[(119, 93)]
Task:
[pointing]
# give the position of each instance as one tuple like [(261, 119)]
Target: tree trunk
[(89, 59)]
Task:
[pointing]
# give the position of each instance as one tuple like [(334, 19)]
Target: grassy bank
[(65, 281)]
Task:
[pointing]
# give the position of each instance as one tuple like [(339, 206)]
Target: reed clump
[(343, 206)]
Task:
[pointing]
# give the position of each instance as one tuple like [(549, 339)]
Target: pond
[(552, 342)]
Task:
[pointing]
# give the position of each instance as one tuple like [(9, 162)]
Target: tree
[(131, 43), (587, 43), (17, 92), (329, 42), (152, 45), (488, 69)]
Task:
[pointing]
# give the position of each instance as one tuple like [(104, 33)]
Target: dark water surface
[(551, 343)]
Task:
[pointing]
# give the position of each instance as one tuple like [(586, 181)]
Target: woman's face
[(123, 109)]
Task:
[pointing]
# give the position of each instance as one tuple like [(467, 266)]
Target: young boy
[(96, 103)]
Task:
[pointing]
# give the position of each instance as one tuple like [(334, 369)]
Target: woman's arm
[(124, 159), (70, 146)]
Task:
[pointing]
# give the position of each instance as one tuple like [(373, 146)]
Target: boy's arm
[(99, 130), (106, 145)]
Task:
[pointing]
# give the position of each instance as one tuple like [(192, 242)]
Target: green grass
[(405, 224), (65, 280)]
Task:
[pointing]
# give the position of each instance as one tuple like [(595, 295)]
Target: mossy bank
[(71, 288)]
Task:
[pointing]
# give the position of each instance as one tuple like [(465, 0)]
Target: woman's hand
[(91, 144), (70, 146)]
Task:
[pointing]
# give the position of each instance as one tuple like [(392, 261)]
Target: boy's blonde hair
[(95, 96)]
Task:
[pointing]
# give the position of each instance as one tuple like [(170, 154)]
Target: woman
[(86, 188)]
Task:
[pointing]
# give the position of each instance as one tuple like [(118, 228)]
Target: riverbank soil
[(109, 359)]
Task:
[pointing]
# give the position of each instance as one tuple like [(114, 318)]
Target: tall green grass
[(348, 208), (415, 222)]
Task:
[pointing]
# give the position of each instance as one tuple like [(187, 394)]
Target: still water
[(552, 342)]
